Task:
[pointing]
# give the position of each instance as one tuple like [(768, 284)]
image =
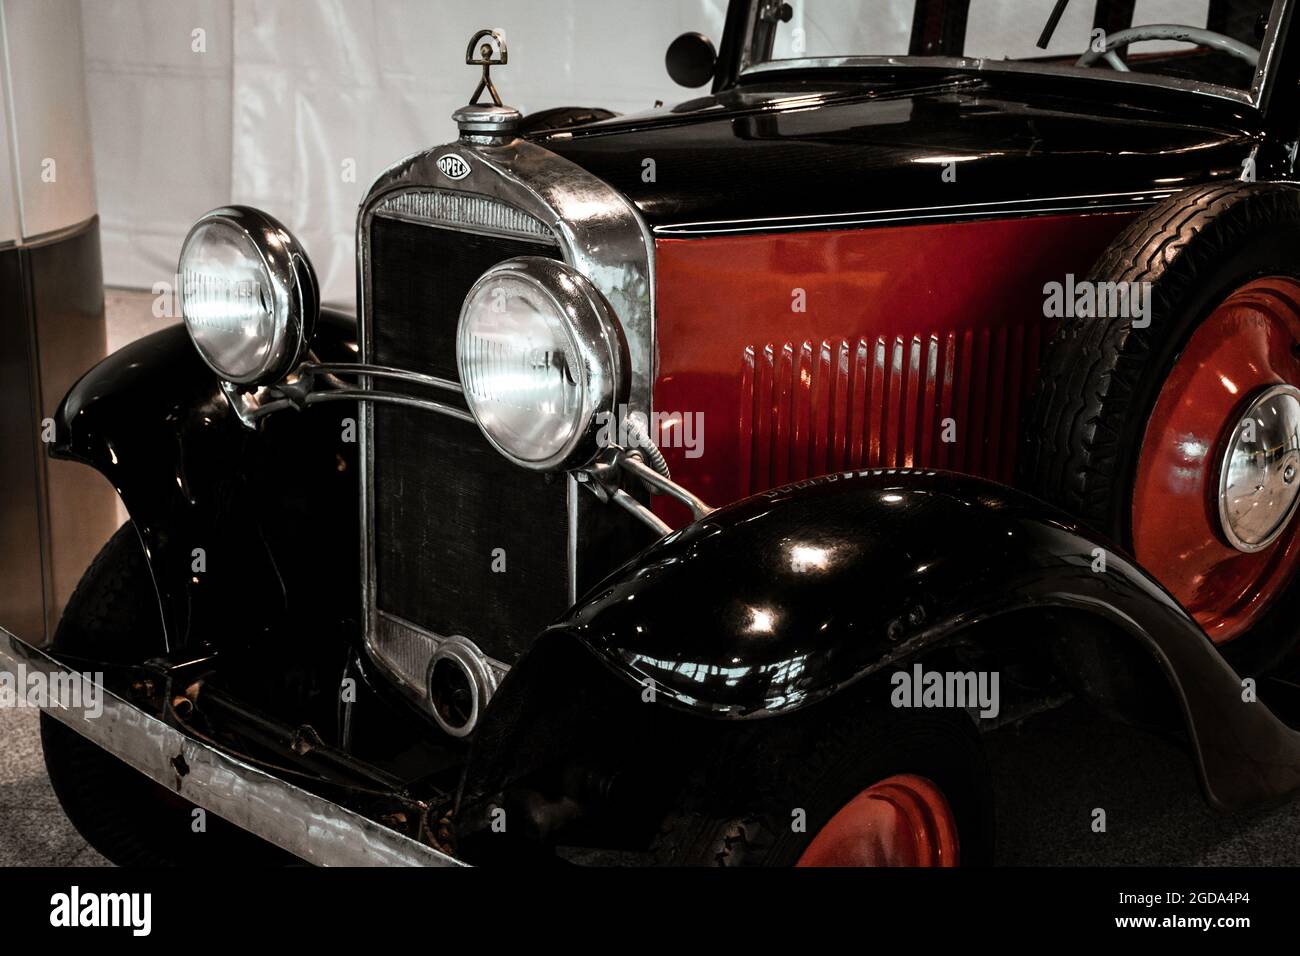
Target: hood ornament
[(487, 121)]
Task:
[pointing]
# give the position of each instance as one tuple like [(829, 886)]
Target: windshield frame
[(1256, 96)]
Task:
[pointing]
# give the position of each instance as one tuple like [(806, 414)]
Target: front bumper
[(303, 823)]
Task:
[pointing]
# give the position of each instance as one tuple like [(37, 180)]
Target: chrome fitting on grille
[(461, 683)]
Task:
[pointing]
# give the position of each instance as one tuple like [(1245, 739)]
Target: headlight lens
[(540, 356), (248, 295)]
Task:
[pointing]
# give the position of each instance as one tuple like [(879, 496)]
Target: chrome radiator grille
[(461, 541)]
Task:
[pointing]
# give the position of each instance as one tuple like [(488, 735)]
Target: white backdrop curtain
[(297, 105)]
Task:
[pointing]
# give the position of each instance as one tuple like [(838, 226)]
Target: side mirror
[(691, 60)]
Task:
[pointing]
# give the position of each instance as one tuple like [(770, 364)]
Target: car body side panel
[(799, 354)]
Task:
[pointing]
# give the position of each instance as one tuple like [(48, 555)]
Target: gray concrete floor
[(1052, 770), (33, 829), (1055, 768)]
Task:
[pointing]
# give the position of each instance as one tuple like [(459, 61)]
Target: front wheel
[(840, 786), (113, 617)]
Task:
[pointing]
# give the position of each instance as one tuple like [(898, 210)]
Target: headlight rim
[(596, 337), (292, 278)]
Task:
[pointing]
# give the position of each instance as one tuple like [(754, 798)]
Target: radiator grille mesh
[(444, 502)]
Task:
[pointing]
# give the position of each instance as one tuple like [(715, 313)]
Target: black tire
[(113, 616), (1100, 377), (738, 810)]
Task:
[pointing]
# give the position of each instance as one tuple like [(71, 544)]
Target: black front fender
[(778, 601), (209, 497), (151, 418)]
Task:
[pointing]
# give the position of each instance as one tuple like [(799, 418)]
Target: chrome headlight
[(248, 295), (541, 357)]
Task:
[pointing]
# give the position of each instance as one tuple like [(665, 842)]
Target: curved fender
[(782, 599), (151, 418)]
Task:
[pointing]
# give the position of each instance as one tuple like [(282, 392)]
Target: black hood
[(807, 150)]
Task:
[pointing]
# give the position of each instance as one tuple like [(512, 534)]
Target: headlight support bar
[(314, 383)]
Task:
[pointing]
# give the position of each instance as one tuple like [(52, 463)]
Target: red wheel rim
[(900, 821), (1243, 347)]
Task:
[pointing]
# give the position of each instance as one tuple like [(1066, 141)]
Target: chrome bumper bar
[(306, 825)]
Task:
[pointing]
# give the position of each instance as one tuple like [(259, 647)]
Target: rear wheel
[(1180, 438), (840, 786)]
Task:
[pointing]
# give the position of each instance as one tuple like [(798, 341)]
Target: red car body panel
[(902, 327)]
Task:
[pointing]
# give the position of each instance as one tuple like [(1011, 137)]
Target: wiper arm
[(1053, 21)]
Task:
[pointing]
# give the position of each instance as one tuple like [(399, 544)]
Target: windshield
[(1204, 43)]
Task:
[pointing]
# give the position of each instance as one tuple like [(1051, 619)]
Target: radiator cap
[(487, 120)]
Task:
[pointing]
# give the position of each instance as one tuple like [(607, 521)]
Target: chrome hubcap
[(1258, 490)]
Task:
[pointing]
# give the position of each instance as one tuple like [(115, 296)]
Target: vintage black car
[(697, 486)]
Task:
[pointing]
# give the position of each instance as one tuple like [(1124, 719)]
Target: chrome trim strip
[(599, 232), (1099, 202), (571, 544), (464, 212), (306, 825)]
